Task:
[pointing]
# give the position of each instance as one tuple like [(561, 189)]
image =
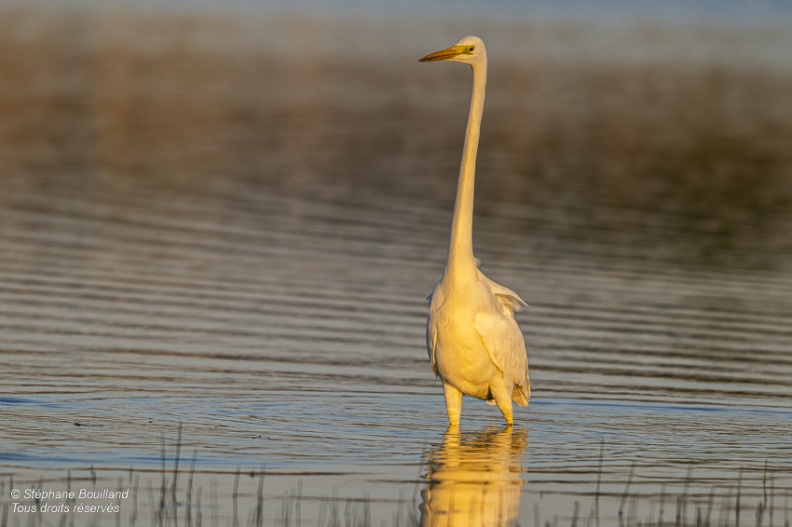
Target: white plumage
[(474, 343)]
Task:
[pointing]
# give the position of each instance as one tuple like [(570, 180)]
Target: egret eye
[(471, 48)]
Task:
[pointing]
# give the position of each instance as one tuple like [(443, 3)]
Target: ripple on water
[(269, 293)]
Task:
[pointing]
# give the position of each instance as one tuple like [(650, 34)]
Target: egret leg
[(453, 399), (503, 399)]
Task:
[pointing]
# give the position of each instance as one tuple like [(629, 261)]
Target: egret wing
[(510, 300), (431, 343), (504, 341), (431, 335)]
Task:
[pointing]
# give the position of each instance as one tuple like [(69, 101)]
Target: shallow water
[(198, 230)]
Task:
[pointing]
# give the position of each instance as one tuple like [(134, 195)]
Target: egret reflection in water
[(474, 479)]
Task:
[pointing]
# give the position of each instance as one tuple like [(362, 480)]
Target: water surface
[(207, 227)]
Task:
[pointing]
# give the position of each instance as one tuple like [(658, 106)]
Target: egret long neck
[(460, 251)]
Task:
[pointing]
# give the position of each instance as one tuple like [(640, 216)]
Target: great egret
[(474, 343)]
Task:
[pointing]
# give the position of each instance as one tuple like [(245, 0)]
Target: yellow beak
[(443, 54)]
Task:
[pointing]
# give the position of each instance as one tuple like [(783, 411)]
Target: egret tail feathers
[(522, 393)]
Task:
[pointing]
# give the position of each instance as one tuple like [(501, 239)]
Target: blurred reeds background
[(681, 132)]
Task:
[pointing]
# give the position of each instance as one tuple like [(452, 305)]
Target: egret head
[(468, 50)]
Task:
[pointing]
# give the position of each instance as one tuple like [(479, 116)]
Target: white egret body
[(474, 343)]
